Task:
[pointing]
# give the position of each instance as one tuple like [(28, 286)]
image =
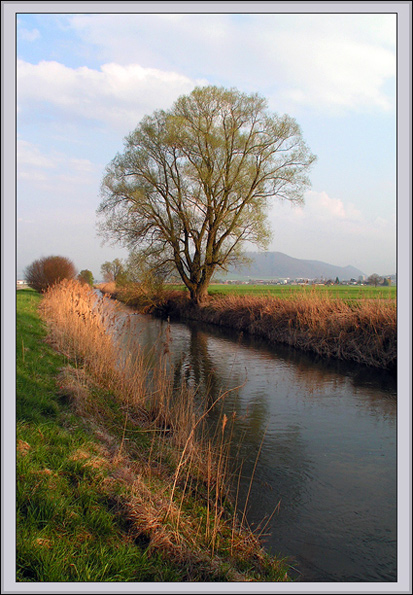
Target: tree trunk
[(199, 294)]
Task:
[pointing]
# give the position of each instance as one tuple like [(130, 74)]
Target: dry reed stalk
[(364, 331), (107, 288), (252, 478), (81, 327), (189, 441), (220, 477), (87, 331)]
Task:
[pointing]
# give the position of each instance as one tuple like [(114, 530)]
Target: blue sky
[(84, 81)]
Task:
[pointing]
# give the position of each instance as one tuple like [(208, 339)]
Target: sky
[(84, 81)]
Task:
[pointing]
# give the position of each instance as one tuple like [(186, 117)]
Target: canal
[(318, 438)]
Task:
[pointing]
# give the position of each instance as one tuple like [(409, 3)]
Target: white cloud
[(34, 177), (325, 212), (28, 155), (49, 170), (327, 62), (27, 35), (115, 95), (339, 75), (332, 62), (334, 231), (321, 206)]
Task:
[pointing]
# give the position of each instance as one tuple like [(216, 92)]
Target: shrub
[(47, 271), (86, 276)]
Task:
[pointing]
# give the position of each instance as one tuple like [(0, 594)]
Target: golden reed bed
[(364, 331)]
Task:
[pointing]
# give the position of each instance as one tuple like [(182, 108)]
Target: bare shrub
[(107, 288), (48, 271)]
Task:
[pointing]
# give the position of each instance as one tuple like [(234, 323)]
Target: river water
[(326, 434)]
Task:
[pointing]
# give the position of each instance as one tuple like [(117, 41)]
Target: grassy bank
[(361, 329), (116, 478)]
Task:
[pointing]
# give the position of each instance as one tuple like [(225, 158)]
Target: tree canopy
[(193, 183), (113, 271), (375, 280), (47, 271), (85, 276)]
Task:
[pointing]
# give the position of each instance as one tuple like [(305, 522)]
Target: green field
[(345, 292)]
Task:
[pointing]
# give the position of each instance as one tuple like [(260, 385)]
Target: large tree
[(113, 271), (86, 277), (193, 183), (375, 280)]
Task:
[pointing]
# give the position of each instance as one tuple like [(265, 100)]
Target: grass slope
[(67, 525)]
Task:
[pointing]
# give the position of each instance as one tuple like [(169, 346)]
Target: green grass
[(345, 292), (67, 528), (36, 363)]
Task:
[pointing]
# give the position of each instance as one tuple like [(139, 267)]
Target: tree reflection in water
[(326, 433)]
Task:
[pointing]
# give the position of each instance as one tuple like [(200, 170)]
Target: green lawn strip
[(66, 528), (71, 523), (345, 292)]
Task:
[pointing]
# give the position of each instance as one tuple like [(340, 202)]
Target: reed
[(364, 331), (175, 471)]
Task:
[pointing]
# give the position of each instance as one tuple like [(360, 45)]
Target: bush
[(47, 271), (85, 276)]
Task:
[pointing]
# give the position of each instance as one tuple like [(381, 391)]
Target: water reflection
[(326, 434)]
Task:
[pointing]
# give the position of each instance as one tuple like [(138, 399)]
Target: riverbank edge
[(328, 328), (62, 460)]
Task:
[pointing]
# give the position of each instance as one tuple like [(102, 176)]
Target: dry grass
[(364, 331), (175, 487), (133, 294)]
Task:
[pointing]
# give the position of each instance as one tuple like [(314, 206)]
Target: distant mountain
[(273, 265)]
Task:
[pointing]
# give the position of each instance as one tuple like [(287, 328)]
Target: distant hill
[(273, 265)]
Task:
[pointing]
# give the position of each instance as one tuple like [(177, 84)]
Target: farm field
[(344, 292)]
